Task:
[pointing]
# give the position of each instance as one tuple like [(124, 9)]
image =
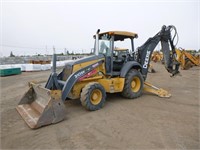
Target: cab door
[(106, 48)]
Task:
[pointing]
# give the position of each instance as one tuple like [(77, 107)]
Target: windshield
[(104, 46)]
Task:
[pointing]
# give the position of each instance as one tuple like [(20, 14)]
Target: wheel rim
[(135, 84), (96, 97)]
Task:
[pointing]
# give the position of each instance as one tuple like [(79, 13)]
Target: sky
[(35, 27)]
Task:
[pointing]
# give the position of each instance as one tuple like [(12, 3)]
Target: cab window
[(104, 46)]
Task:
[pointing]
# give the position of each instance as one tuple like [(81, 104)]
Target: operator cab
[(109, 44), (120, 56)]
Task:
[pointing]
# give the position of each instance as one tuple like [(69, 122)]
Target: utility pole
[(46, 50), (54, 51), (65, 51)]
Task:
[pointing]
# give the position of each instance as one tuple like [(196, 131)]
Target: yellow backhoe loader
[(157, 56), (89, 79), (186, 59)]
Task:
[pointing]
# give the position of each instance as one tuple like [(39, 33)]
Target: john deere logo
[(146, 61)]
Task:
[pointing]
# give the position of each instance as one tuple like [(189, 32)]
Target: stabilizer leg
[(155, 90)]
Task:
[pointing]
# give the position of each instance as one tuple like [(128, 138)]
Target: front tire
[(133, 84), (93, 96)]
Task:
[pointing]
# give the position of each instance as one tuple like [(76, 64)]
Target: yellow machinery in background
[(186, 59), (157, 56)]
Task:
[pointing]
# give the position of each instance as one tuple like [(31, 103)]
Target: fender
[(128, 66), (73, 78)]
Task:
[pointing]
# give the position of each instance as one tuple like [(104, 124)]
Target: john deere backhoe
[(89, 79)]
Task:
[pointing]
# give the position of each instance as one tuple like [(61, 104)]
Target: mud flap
[(40, 106)]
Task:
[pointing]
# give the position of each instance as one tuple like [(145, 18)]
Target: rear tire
[(133, 84), (93, 96)]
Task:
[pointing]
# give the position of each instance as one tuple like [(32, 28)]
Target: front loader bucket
[(40, 106)]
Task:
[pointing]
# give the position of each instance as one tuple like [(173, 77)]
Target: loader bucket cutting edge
[(40, 106)]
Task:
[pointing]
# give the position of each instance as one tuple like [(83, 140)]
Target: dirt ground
[(148, 122)]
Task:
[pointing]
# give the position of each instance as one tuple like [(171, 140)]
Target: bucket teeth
[(39, 106)]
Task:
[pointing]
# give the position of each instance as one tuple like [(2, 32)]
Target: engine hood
[(85, 59)]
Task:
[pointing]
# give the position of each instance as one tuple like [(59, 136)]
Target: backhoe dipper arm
[(145, 51)]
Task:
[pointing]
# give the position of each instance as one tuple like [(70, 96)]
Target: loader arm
[(73, 78), (56, 83), (145, 51)]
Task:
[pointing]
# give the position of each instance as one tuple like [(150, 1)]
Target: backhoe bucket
[(40, 106)]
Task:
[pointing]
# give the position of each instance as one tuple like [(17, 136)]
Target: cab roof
[(120, 35)]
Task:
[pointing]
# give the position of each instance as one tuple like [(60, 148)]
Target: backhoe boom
[(145, 51)]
